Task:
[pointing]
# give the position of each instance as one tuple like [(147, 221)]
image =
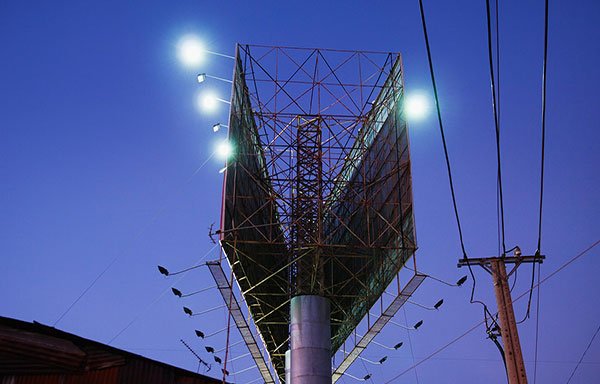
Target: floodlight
[(418, 324), (462, 280), (176, 292), (224, 149), (395, 347), (365, 378), (218, 360), (188, 311), (190, 50), (209, 349), (218, 126), (380, 361), (200, 334), (416, 106), (163, 270), (207, 102), (203, 76), (438, 304)]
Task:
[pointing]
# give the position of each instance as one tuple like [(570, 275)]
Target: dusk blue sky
[(101, 144)]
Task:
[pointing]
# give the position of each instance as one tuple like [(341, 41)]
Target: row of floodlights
[(415, 327), (192, 52), (200, 334)]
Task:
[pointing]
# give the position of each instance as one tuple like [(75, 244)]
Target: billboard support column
[(288, 366), (310, 340)]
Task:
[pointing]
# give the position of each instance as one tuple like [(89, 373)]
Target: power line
[(119, 254), (113, 261), (498, 104), (582, 356), (496, 120), (539, 242), (412, 353), (539, 245), (439, 115), (537, 328), (491, 360), (447, 157), (436, 351), (499, 203), (474, 327), (139, 314)]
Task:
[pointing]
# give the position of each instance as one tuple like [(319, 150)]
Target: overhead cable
[(118, 256), (447, 157), (582, 356), (496, 121), (539, 245)]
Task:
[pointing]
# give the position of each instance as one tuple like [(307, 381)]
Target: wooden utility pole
[(496, 266)]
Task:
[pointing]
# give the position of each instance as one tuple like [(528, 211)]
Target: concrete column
[(310, 340), (288, 364)]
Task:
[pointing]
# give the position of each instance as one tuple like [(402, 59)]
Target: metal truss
[(318, 195)]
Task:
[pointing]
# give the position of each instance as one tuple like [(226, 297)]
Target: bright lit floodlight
[(190, 50), (224, 149), (201, 77), (218, 126), (416, 106), (207, 101)]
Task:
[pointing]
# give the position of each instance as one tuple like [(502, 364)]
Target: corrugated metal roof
[(33, 353)]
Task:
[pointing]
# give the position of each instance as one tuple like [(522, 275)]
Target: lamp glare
[(190, 51), (416, 106), (207, 102), (224, 149)]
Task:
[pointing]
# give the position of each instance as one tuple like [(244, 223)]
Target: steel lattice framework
[(317, 196)]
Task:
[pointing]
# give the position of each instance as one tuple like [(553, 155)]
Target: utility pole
[(496, 266)]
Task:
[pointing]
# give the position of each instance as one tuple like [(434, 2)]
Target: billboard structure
[(317, 199)]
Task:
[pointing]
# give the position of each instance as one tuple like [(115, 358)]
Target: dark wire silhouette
[(412, 353), (539, 242), (544, 65), (156, 299), (496, 119), (537, 327), (498, 106), (447, 157), (539, 245), (119, 254), (496, 110), (441, 125), (582, 356)]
